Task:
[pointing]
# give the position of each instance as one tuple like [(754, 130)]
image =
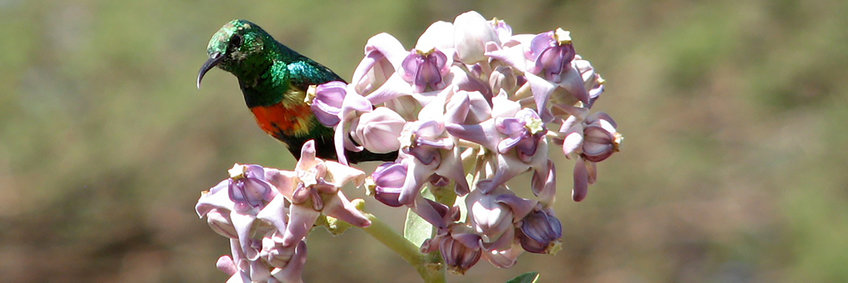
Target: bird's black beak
[(213, 61)]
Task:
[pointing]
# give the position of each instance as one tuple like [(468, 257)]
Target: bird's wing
[(306, 72)]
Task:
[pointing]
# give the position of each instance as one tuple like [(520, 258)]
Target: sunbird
[(273, 79)]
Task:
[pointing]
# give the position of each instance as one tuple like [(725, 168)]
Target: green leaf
[(529, 277), (416, 229)]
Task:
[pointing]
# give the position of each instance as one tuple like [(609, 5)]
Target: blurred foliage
[(733, 167)]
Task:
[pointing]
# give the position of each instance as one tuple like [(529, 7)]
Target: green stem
[(430, 268)]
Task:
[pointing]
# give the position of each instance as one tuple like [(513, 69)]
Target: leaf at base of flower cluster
[(416, 229), (529, 277)]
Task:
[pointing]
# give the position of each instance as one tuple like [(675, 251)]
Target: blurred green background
[(733, 167)]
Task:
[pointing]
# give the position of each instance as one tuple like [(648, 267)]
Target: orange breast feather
[(278, 119)]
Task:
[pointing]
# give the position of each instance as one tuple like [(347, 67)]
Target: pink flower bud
[(471, 33), (378, 130)]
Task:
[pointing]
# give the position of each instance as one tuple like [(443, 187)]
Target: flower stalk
[(429, 266)]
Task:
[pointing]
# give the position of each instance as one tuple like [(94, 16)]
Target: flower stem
[(429, 267)]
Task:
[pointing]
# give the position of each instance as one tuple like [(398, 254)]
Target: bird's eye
[(236, 41)]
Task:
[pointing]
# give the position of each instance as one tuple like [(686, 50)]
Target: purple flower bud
[(551, 52), (217, 206), (378, 130), (540, 232), (389, 178), (328, 102), (334, 107), (600, 138), (426, 70)]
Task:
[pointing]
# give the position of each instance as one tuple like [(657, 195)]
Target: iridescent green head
[(236, 44)]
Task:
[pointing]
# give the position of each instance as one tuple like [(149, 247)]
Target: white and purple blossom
[(551, 53), (314, 188), (247, 209), (426, 70)]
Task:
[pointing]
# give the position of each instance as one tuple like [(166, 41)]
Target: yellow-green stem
[(429, 267)]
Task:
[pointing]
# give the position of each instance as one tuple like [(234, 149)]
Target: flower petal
[(471, 34), (378, 130), (301, 219), (338, 174), (581, 181), (275, 213), (484, 133), (438, 35), (328, 102), (216, 197), (417, 174), (542, 90), (451, 167), (292, 272), (339, 207), (544, 184)]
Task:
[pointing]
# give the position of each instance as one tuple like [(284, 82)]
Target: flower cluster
[(468, 109), (473, 99), (267, 213)]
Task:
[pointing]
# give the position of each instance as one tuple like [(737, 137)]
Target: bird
[(274, 79)]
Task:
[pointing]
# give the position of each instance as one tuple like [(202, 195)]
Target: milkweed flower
[(458, 245), (314, 188), (247, 209)]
